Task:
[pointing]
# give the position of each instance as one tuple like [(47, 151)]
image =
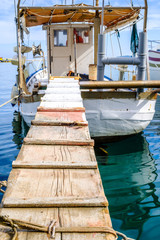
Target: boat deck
[(54, 189)]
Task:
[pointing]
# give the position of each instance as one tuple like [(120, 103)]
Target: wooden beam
[(54, 202), (77, 109), (119, 84), (64, 142), (54, 165), (70, 7), (58, 123)]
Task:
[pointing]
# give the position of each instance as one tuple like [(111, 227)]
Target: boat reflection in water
[(19, 129), (128, 173)]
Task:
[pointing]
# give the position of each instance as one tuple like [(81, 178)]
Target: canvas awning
[(35, 16)]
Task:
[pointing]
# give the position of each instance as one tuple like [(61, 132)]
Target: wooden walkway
[(55, 176)]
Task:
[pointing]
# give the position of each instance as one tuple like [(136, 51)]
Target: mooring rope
[(18, 225), (124, 237), (3, 184), (9, 101), (23, 225)]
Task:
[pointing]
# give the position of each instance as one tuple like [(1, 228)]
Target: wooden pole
[(70, 7), (102, 17), (22, 83), (145, 16), (119, 84), (145, 30), (75, 54), (19, 47), (96, 32)]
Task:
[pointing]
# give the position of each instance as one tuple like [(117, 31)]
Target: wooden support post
[(97, 22)]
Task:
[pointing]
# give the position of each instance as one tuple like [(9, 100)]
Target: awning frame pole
[(145, 30), (19, 47)]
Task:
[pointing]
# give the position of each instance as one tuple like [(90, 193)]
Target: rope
[(12, 225), (124, 237), (18, 224), (51, 229), (9, 101), (3, 184)]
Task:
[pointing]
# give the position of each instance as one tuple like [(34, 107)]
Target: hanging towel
[(134, 40)]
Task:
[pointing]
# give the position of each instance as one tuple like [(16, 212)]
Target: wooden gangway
[(54, 189)]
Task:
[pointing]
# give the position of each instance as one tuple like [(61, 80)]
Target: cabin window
[(60, 38), (82, 35)]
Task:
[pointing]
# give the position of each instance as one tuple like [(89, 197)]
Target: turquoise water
[(130, 171)]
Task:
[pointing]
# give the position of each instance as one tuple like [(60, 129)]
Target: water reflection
[(11, 139), (19, 129), (128, 173)]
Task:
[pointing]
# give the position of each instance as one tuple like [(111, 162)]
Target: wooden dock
[(54, 189)]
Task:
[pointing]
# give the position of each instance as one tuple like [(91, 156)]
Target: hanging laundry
[(134, 40)]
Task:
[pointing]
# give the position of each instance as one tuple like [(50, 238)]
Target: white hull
[(108, 117), (28, 111), (118, 117), (155, 73), (154, 62)]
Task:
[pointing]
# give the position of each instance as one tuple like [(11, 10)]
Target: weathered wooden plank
[(63, 91), (65, 217), (39, 216), (65, 77), (75, 135), (68, 220), (61, 116), (63, 80), (70, 109), (87, 236), (51, 153), (58, 133), (58, 123), (54, 202), (66, 142), (54, 165), (61, 98), (62, 104), (47, 187), (84, 217), (63, 85), (29, 236)]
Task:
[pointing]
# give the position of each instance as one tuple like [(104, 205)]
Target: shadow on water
[(19, 129), (128, 173), (11, 139)]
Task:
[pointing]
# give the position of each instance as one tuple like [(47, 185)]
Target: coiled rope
[(51, 230), (3, 184)]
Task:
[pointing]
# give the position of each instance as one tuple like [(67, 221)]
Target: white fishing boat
[(72, 44), (154, 59)]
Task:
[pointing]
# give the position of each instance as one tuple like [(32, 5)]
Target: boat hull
[(118, 117), (154, 62), (111, 118)]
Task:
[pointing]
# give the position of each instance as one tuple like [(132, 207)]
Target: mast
[(145, 30), (20, 75), (21, 80), (96, 32)]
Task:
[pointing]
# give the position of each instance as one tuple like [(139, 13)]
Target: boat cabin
[(69, 48)]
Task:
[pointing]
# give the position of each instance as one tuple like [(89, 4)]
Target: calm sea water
[(130, 169)]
